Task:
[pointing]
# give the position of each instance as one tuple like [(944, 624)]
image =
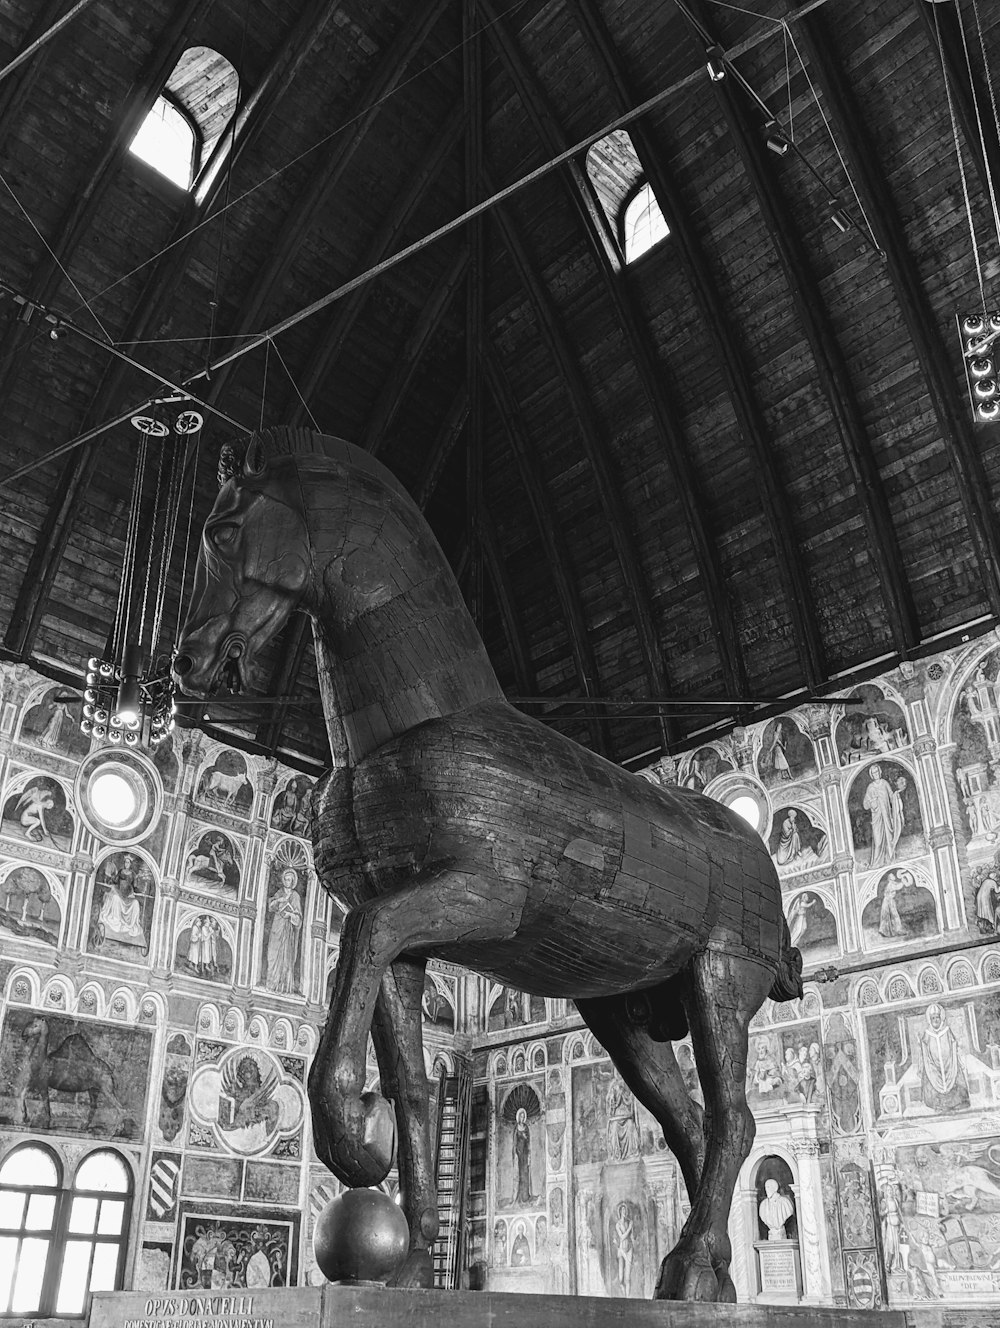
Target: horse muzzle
[(200, 676)]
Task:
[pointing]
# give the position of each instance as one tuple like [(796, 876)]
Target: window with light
[(180, 134), (167, 141), (60, 1243), (643, 224)]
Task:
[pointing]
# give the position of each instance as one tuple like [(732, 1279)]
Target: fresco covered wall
[(877, 1097), (163, 977)]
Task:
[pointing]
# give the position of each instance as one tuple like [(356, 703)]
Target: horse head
[(253, 571)]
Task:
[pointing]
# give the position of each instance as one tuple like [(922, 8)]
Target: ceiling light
[(716, 63), (775, 140)]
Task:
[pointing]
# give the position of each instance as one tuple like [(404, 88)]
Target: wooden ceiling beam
[(649, 368), (442, 447), (407, 361), (935, 368), (332, 339), (831, 368), (602, 467), (728, 350), (303, 212), (550, 532), (165, 273), (17, 87), (80, 215), (517, 642)]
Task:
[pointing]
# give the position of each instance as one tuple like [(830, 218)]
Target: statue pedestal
[(378, 1307)]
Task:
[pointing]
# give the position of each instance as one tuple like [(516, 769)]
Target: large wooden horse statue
[(453, 826)]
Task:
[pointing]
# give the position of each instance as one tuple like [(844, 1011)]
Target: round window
[(119, 796), (749, 808)]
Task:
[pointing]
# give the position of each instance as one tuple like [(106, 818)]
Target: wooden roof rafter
[(649, 369), (746, 409), (828, 358), (595, 447), (303, 214), (936, 372), (550, 531), (473, 96)]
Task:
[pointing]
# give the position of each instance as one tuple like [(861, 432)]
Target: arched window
[(180, 133), (58, 1244), (625, 195), (643, 224)]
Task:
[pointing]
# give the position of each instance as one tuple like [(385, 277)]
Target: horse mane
[(284, 440)]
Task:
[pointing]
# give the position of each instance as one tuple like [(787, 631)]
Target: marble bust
[(775, 1209)]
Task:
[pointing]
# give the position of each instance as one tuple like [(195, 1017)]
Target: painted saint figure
[(789, 844), (623, 1129), (283, 941), (521, 1153), (889, 921), (943, 1083), (34, 802), (120, 918), (798, 915), (884, 804)]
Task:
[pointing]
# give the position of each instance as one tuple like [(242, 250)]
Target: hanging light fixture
[(715, 63), (129, 694)]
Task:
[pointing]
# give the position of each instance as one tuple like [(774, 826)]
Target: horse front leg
[(398, 1035), (353, 1131)]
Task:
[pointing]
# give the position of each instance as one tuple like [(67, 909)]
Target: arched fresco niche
[(699, 769), (510, 1008), (785, 1069), (976, 735), (204, 948), (775, 1205), (797, 840), (30, 905), (786, 754), (521, 1150), (812, 925), (843, 1075), (874, 727), (121, 907), (167, 762), (436, 1006), (884, 809), (292, 808), (212, 864), (284, 911), (38, 813), (901, 908), (225, 785), (52, 725)]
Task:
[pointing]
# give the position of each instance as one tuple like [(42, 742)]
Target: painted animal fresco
[(73, 1076), (453, 826), (226, 785), (212, 865)]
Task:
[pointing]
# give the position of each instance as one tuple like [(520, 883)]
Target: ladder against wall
[(454, 1104)]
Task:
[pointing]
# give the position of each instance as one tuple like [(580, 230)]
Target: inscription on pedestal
[(265, 1308), (777, 1270)]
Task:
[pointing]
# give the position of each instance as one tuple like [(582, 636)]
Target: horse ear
[(229, 466), (254, 460)]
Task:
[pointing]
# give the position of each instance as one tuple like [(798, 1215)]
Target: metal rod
[(49, 33), (703, 701)]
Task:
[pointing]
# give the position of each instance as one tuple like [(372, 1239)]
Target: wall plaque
[(778, 1274)]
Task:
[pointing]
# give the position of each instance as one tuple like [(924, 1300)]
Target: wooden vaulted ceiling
[(739, 467)]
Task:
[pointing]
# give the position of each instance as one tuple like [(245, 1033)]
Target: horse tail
[(788, 975)]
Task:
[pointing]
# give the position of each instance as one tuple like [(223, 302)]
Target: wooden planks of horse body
[(593, 849)]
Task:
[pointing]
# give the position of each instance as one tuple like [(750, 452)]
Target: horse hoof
[(379, 1138), (688, 1275), (417, 1271)]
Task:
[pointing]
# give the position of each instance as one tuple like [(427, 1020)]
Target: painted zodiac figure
[(653, 908)]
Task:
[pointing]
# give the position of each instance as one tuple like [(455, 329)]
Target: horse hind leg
[(723, 994), (649, 1068)]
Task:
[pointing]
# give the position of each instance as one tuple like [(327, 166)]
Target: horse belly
[(617, 897)]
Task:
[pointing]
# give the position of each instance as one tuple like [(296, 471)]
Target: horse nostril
[(183, 664)]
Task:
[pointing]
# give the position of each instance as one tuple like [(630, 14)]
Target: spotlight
[(840, 219), (988, 411), (979, 333), (716, 65), (775, 140)]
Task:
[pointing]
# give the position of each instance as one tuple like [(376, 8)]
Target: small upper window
[(628, 200), (179, 134), (643, 225), (167, 141)]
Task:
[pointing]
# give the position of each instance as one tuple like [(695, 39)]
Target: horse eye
[(223, 535)]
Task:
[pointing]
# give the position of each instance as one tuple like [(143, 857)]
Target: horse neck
[(399, 646)]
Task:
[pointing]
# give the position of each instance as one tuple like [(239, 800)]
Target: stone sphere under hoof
[(361, 1236)]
